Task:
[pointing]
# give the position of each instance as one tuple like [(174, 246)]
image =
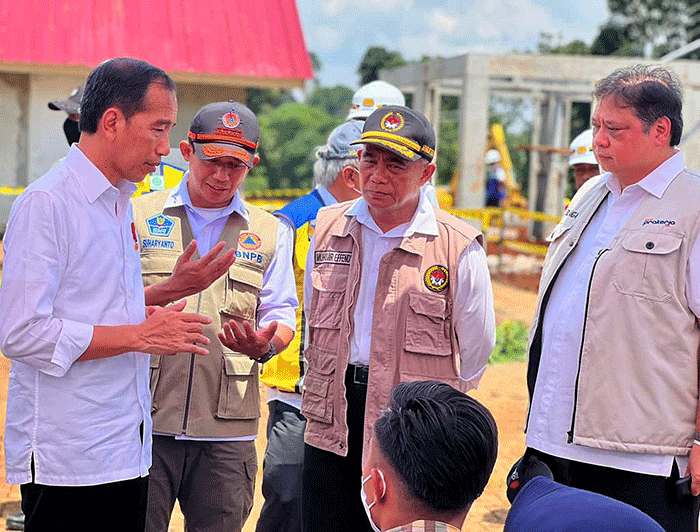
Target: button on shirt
[(562, 328), (473, 317), (278, 298), (70, 264)]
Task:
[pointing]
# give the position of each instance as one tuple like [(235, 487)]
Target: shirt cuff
[(72, 343)]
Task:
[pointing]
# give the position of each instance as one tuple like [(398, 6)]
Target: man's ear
[(661, 130), (379, 486), (112, 122), (351, 177), (186, 150), (428, 171)]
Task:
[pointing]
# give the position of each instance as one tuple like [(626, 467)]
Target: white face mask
[(363, 496)]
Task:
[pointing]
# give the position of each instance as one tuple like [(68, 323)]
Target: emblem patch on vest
[(436, 278), (333, 257), (160, 225), (249, 241)]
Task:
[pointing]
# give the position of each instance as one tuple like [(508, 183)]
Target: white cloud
[(327, 38), (442, 22), (333, 8)]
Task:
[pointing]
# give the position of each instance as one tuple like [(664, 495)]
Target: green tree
[(289, 135), (548, 44), (374, 60), (333, 100)]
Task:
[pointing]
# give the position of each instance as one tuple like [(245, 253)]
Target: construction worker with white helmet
[(582, 159), (495, 179)]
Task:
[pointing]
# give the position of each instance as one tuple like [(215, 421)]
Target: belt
[(357, 374)]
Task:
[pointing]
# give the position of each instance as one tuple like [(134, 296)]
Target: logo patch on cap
[(436, 278), (392, 121), (160, 225), (231, 119), (368, 102), (249, 241)]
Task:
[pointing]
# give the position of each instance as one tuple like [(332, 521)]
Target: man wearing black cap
[(70, 105), (205, 410), (383, 276)]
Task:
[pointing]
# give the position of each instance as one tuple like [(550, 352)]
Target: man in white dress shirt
[(395, 290), (73, 318), (206, 409), (613, 354)]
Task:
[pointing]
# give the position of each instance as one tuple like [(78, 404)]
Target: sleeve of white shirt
[(278, 296), (473, 314), (33, 269), (692, 283)]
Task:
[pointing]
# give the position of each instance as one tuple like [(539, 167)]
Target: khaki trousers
[(213, 481)]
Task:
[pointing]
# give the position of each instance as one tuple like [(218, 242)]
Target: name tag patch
[(665, 223), (160, 225), (154, 243), (333, 257), (436, 278), (251, 256)]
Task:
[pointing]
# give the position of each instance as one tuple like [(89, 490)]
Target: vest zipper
[(570, 434), (190, 377)]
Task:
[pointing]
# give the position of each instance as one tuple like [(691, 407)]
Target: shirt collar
[(180, 196), (656, 182), (90, 179), (423, 220), (326, 196)]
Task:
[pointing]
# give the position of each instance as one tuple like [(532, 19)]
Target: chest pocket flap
[(242, 289), (653, 243), (561, 228), (427, 326), (328, 296), (158, 262)]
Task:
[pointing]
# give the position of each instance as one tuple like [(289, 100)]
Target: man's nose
[(163, 146)]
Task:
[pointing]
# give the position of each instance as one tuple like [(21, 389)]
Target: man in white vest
[(613, 351)]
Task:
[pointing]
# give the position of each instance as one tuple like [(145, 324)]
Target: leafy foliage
[(335, 101), (374, 60), (511, 342)]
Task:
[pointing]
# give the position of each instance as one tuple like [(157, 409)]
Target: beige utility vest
[(214, 396), (637, 384), (413, 337)]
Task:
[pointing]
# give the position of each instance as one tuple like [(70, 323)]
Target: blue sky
[(340, 31)]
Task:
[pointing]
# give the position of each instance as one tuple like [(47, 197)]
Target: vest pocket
[(317, 397), (647, 264), (154, 368), (157, 266), (241, 294), (239, 396), (427, 327)]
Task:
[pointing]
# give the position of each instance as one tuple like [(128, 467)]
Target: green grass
[(511, 342)]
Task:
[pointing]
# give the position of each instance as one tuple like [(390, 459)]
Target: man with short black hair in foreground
[(431, 455)]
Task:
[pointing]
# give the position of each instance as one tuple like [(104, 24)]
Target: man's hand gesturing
[(168, 331)]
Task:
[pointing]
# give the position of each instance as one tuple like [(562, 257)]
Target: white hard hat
[(372, 96), (492, 156), (582, 149)]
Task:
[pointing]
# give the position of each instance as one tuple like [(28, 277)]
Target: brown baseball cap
[(225, 129), (401, 130)]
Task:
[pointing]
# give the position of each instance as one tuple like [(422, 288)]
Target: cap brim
[(398, 149), (214, 150), (65, 105)]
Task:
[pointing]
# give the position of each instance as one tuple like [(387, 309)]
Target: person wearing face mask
[(431, 454), (337, 179), (71, 106)]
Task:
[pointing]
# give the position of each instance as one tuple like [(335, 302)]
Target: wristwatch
[(268, 356)]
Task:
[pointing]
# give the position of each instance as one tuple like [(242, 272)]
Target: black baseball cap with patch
[(401, 130), (225, 129)]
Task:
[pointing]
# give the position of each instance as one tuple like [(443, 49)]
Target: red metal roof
[(261, 39)]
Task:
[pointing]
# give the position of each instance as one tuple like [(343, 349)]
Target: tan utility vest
[(413, 337), (637, 385), (214, 396)]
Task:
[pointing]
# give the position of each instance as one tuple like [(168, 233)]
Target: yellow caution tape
[(11, 191)]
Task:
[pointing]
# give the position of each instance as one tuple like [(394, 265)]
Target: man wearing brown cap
[(395, 290), (205, 410)]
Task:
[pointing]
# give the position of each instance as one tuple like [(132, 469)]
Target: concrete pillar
[(473, 131), (532, 185), (435, 120)]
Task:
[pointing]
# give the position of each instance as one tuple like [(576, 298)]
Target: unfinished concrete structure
[(553, 83)]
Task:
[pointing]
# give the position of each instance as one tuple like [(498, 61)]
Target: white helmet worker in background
[(492, 157), (495, 179), (375, 95), (372, 96), (582, 158)]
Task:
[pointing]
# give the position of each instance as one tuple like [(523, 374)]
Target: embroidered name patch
[(252, 256), (160, 225), (249, 241), (665, 223), (436, 278), (154, 243), (571, 214), (333, 257)]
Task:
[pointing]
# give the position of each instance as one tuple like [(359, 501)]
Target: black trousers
[(116, 506), (330, 499), (654, 495), (282, 469)]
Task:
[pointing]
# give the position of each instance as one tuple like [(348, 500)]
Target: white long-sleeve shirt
[(473, 315), (71, 263)]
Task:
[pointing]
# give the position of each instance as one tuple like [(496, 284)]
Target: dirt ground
[(502, 390)]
